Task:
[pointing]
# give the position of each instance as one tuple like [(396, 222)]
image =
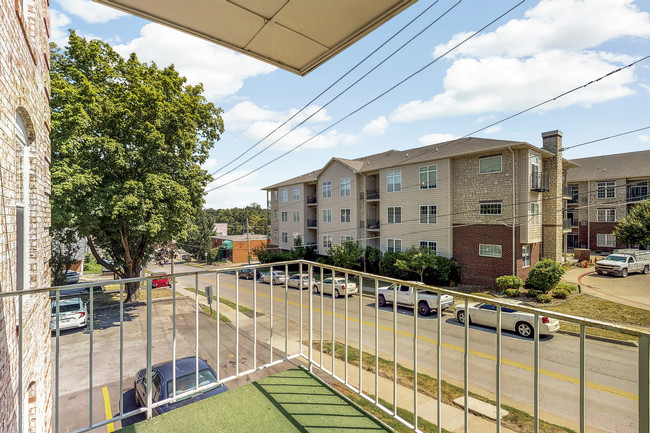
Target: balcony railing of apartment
[(294, 325), (372, 194), (372, 224), (539, 182), (312, 224), (567, 223), (312, 200)]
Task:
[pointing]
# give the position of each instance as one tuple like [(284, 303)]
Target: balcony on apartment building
[(312, 224), (539, 182), (372, 224), (280, 353), (312, 200), (567, 224), (372, 195)]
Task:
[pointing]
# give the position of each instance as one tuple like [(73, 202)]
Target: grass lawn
[(101, 299), (291, 401)]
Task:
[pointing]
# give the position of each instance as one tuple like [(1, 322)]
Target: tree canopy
[(635, 227), (128, 140)]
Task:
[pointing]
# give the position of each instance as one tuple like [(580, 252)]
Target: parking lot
[(634, 290)]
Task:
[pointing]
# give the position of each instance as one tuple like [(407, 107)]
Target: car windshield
[(66, 308), (186, 382), (614, 258)]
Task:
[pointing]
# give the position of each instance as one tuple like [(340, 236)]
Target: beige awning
[(296, 35)]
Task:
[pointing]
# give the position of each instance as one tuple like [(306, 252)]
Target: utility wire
[(325, 90), (423, 68), (604, 138)]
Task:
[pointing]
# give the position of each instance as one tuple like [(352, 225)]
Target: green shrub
[(545, 275), (506, 282), (534, 293), (569, 287), (560, 293), (512, 293), (544, 298)]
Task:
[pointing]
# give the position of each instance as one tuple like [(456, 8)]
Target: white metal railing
[(316, 305)]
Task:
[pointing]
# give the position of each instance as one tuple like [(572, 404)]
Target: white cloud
[(59, 23), (209, 163), (221, 71), (492, 129), (644, 138), (376, 127), (237, 194), (436, 138), (90, 11)]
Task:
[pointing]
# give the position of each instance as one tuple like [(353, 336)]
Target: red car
[(161, 281)]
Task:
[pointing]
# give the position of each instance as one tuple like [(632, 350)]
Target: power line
[(328, 88), (605, 138), (423, 68)]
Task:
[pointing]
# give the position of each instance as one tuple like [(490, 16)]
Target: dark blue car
[(162, 384)]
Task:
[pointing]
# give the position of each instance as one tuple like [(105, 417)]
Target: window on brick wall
[(606, 215), (605, 240), (488, 250), (489, 164), (492, 208), (607, 189), (525, 256)]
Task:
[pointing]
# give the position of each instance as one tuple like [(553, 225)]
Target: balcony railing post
[(415, 357), (644, 383), (271, 315), (196, 331), (376, 341), (90, 358), (582, 378), (237, 323), (218, 296), (346, 329), (122, 346), (57, 362), (255, 320), (361, 335), (536, 373), (308, 290), (333, 321), (311, 319), (322, 320), (286, 308), (20, 363), (438, 366), (498, 370), (466, 367), (149, 343)]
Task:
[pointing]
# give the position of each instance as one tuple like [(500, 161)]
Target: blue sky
[(540, 50)]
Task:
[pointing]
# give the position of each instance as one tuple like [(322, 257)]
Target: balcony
[(372, 195), (312, 224), (269, 329), (372, 224), (539, 182), (312, 201), (634, 195), (567, 224)]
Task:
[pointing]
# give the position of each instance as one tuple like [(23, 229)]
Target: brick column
[(552, 200)]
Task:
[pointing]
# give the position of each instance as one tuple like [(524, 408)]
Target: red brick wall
[(240, 250), (606, 228), (477, 269)]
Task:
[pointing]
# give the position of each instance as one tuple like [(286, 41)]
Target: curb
[(598, 338)]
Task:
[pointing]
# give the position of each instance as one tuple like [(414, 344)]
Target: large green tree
[(635, 227), (128, 141)]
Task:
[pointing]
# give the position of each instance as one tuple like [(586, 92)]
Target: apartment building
[(25, 387), (601, 191), (496, 206)]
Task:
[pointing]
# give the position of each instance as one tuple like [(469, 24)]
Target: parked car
[(298, 281), (427, 301), (511, 319), (72, 314), (623, 262), (162, 384), (161, 281), (71, 277), (277, 278), (340, 288), (247, 274)]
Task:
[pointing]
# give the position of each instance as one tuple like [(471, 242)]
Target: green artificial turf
[(291, 401)]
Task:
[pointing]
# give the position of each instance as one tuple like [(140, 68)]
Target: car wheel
[(599, 272), (382, 301), (646, 269), (524, 329), (423, 308), (461, 317), (316, 290), (336, 293), (624, 273)]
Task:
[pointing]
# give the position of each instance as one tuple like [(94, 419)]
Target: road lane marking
[(107, 409), (505, 361)]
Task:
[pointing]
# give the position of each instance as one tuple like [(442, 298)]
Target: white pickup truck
[(427, 301), (623, 262)]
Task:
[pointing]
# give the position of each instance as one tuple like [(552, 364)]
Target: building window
[(428, 214), (345, 187), (428, 176), (486, 250), (573, 193), (607, 189), (285, 237), (493, 208), (275, 195), (327, 189), (534, 213), (573, 217), (606, 215), (296, 193), (429, 246), (275, 215), (525, 256), (296, 216), (394, 181), (394, 245), (489, 164), (284, 195), (345, 215), (327, 241), (605, 240), (346, 238), (327, 215), (285, 216), (394, 214), (637, 191)]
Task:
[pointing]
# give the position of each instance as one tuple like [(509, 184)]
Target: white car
[(298, 281), (427, 301), (277, 278), (511, 319), (72, 314), (340, 288)]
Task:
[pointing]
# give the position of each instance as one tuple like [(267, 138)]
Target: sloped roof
[(303, 178), (296, 35), (604, 167)]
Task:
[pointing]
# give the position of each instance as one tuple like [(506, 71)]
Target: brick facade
[(24, 123), (597, 228)]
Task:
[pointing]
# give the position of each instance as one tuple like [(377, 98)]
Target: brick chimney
[(552, 201)]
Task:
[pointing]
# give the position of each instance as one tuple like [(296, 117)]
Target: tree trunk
[(132, 289)]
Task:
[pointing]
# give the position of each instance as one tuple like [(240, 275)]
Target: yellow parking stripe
[(482, 355), (107, 409)]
